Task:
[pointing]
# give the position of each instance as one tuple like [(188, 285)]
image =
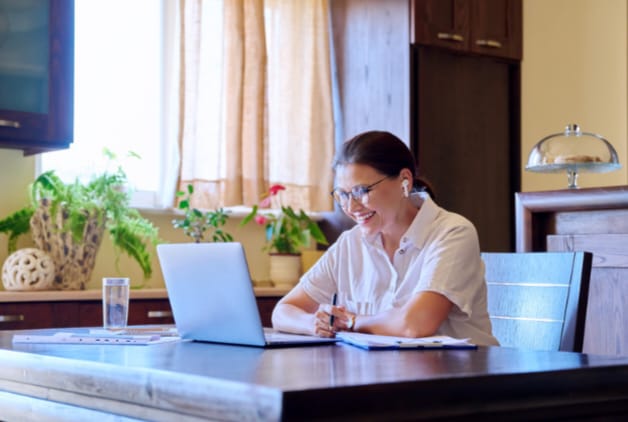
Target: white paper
[(372, 340), (89, 338)]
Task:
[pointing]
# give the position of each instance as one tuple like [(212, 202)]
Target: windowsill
[(238, 212)]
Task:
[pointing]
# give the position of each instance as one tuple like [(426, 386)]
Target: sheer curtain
[(260, 111)]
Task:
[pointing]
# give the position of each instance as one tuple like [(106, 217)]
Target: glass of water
[(115, 302)]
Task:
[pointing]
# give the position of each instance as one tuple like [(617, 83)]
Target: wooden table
[(197, 381)]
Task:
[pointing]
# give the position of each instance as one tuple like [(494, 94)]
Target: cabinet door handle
[(11, 318), (159, 314), (450, 37), (9, 123), (489, 43)]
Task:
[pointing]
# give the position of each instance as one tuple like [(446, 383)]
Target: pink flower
[(260, 219), (274, 189), (265, 203)]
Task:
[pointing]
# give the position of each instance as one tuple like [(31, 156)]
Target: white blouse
[(439, 252)]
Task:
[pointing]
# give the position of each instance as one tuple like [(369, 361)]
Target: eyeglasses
[(359, 193)]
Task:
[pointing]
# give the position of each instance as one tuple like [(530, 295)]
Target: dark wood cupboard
[(485, 27), (78, 313), (456, 104), (466, 138), (36, 75), (88, 313)]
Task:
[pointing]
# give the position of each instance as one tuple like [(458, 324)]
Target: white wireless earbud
[(404, 187)]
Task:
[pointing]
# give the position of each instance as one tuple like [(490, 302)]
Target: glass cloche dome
[(573, 151)]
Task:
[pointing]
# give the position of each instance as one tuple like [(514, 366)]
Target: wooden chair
[(538, 300)]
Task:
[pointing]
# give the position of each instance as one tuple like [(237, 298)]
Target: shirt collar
[(428, 211), (416, 233)]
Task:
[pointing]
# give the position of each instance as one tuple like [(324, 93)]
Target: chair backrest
[(538, 300)]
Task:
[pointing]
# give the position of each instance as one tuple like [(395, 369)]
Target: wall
[(574, 70)]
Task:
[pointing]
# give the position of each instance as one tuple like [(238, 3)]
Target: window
[(118, 93), (197, 121)]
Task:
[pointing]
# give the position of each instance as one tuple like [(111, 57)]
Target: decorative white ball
[(28, 269)]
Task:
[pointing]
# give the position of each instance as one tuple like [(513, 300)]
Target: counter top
[(94, 294)]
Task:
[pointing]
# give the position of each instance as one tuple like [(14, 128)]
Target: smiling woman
[(407, 268)]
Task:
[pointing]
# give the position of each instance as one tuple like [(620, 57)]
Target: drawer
[(18, 316), (150, 311)]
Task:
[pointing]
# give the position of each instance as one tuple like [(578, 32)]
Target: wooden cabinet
[(465, 137), (486, 27), (18, 316), (141, 312), (88, 313), (36, 75), (84, 313)]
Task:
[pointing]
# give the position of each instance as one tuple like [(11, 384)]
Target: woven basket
[(74, 261)]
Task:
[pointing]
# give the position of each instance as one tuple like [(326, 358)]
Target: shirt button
[(402, 251)]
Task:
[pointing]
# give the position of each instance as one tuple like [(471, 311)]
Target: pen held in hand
[(334, 300)]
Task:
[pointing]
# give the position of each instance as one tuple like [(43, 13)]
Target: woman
[(408, 267)]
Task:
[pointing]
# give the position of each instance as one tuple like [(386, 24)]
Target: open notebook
[(212, 296)]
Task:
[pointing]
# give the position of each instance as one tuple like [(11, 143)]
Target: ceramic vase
[(73, 260), (285, 269)]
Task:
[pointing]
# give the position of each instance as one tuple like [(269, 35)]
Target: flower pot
[(73, 261), (285, 269)]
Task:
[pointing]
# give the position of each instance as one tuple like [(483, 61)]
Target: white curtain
[(255, 101)]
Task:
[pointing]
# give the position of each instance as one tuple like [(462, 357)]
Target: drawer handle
[(489, 43), (450, 37), (159, 314), (11, 318), (10, 123)]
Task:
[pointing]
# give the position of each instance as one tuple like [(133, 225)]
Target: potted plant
[(287, 233), (195, 222), (68, 220)]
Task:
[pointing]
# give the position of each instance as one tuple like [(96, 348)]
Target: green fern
[(16, 225), (104, 197)]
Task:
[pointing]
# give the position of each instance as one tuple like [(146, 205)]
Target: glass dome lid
[(573, 151)]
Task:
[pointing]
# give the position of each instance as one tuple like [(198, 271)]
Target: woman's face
[(380, 197)]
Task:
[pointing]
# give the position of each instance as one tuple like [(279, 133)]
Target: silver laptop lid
[(211, 293)]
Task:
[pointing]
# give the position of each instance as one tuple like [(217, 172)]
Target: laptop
[(212, 298)]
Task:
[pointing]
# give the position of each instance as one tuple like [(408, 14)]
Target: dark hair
[(384, 152)]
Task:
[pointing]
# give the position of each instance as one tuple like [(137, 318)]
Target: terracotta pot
[(285, 269)]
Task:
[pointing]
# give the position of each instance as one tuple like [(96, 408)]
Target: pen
[(334, 300)]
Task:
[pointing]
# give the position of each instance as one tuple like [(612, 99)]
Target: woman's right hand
[(325, 326)]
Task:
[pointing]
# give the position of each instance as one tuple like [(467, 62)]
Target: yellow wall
[(574, 70)]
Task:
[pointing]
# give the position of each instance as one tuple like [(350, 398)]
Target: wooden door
[(466, 138)]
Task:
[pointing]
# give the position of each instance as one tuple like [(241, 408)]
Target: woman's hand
[(298, 313), (326, 326)]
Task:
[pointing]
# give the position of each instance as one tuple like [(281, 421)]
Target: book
[(378, 342), (94, 338)]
